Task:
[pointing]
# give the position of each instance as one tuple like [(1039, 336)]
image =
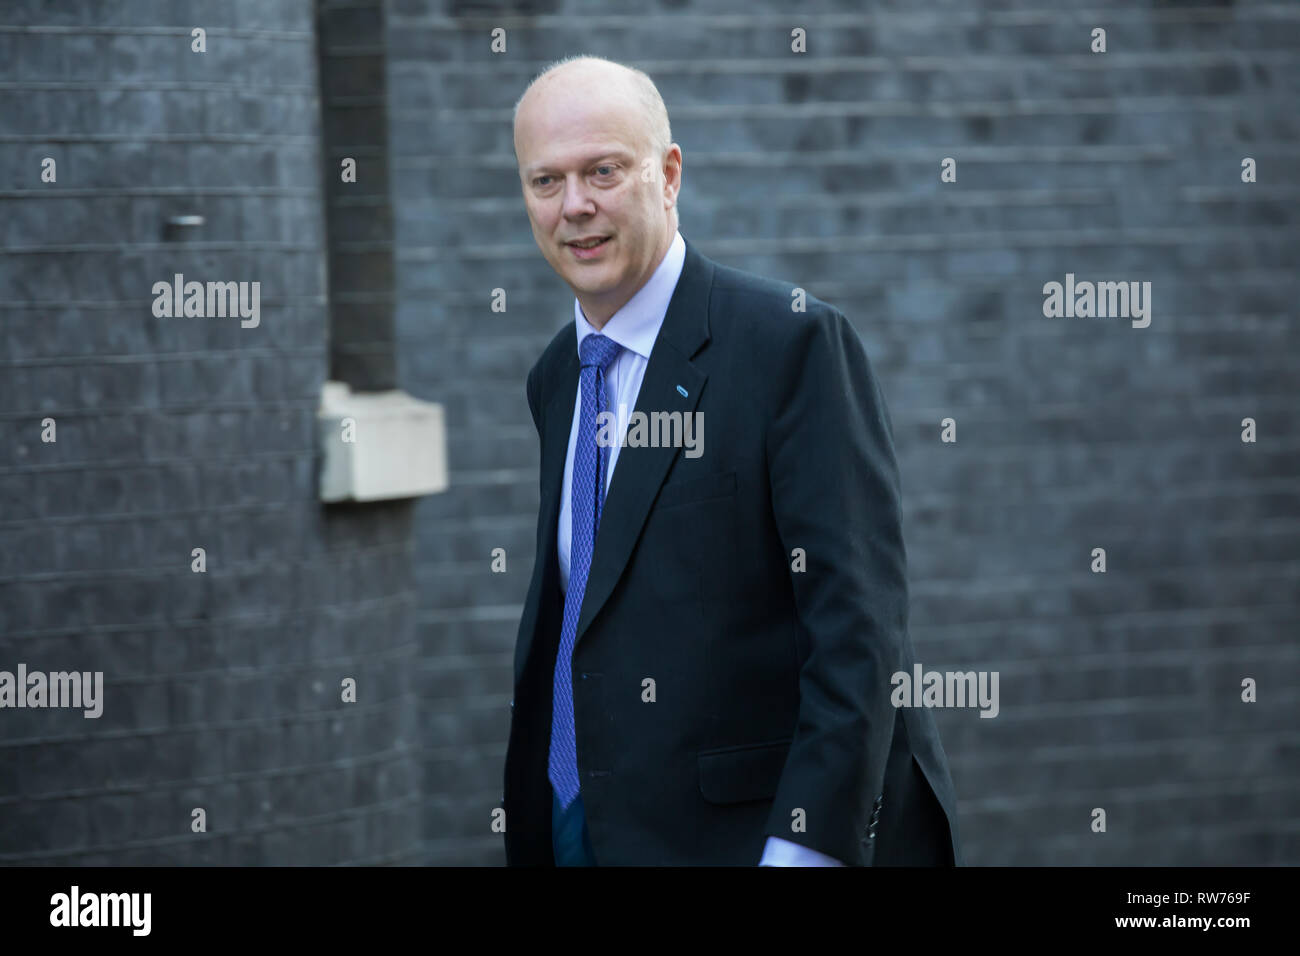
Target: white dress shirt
[(635, 327)]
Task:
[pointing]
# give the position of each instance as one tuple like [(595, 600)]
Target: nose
[(577, 199)]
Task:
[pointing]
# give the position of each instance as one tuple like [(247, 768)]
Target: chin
[(588, 281), (592, 288)]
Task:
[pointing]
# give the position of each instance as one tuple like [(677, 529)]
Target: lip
[(588, 253)]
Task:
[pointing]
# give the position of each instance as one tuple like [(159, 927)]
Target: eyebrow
[(619, 153)]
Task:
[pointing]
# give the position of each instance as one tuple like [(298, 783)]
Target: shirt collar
[(636, 325)]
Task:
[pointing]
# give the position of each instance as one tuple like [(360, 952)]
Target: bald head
[(588, 76), (600, 176)]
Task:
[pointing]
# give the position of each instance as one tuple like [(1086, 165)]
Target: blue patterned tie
[(589, 467)]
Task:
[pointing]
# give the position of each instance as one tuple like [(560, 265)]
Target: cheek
[(541, 214)]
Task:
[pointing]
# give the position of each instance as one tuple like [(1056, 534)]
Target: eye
[(604, 166), (538, 180)]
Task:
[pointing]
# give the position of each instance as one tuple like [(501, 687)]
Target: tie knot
[(598, 350)]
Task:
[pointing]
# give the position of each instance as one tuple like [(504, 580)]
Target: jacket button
[(512, 705)]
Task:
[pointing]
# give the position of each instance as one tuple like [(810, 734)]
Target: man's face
[(588, 172)]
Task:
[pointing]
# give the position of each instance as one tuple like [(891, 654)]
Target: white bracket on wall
[(379, 445)]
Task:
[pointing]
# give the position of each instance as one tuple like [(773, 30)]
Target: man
[(702, 673)]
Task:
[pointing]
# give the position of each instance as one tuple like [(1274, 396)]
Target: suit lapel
[(557, 420), (555, 443), (640, 470)]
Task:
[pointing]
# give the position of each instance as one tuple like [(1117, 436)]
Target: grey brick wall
[(222, 690), (1118, 690)]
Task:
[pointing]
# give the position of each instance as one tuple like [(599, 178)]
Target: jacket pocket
[(697, 489), (742, 773)]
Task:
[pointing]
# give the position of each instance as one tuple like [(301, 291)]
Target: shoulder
[(564, 338), (791, 340), (535, 387), (776, 315)]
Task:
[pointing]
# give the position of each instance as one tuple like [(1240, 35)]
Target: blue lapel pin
[(683, 391)]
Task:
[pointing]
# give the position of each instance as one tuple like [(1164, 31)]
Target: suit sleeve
[(836, 495)]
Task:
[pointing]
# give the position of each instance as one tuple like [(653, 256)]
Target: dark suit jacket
[(771, 686)]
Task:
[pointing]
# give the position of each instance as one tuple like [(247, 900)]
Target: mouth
[(590, 247)]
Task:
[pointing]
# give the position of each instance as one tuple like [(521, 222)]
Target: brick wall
[(222, 689), (1118, 690)]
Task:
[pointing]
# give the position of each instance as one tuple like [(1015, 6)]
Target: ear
[(672, 171)]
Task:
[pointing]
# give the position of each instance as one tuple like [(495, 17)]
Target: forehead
[(564, 124)]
